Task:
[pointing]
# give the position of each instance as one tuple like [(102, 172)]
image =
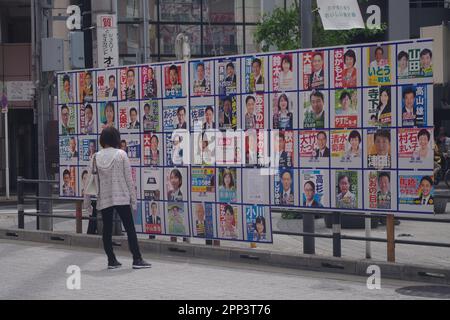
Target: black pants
[(92, 226), (127, 219)]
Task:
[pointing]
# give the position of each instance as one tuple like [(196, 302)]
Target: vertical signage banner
[(107, 43)]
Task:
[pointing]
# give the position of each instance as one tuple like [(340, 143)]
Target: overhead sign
[(340, 15), (107, 41), (19, 90)]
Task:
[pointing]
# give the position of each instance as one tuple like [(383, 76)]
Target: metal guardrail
[(308, 233)]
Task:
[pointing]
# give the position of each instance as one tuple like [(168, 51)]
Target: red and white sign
[(107, 41)]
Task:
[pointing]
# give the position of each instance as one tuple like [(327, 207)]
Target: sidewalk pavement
[(408, 230)]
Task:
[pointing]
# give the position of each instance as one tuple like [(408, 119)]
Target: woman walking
[(116, 192)]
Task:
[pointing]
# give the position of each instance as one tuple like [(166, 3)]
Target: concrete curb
[(397, 271)]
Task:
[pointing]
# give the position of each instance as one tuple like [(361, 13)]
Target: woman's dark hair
[(311, 184), (229, 208), (177, 174), (424, 132), (287, 100), (260, 219), (287, 59), (354, 134), (85, 172), (109, 104), (388, 92), (110, 137), (351, 54), (401, 55), (344, 94)]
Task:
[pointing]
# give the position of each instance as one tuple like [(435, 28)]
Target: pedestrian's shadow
[(105, 273)]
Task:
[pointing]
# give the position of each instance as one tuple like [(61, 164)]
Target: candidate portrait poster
[(176, 184), (68, 150), (67, 119), (416, 191), (149, 82), (314, 186), (314, 70), (345, 65), (415, 147), (150, 113), (88, 146), (283, 72), (227, 78), (69, 181), (380, 146), (173, 80), (254, 74), (152, 149), (203, 220), (283, 148), (153, 217), (229, 222), (228, 185), (346, 192), (107, 115), (228, 112), (381, 191), (66, 88), (86, 86), (346, 148), (285, 187), (152, 184), (314, 109), (201, 78), (107, 88), (129, 119), (177, 219), (415, 62), (258, 226), (203, 184), (347, 108), (380, 105), (87, 118), (414, 102), (380, 65), (314, 150), (254, 112), (284, 111), (129, 89)]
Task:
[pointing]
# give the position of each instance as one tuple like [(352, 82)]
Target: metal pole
[(20, 203), (337, 234), (145, 28), (306, 23), (306, 42), (368, 227), (390, 233), (7, 153), (79, 217)]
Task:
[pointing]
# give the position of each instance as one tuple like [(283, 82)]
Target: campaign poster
[(314, 185), (229, 222), (314, 70), (128, 83), (283, 187), (228, 113), (174, 117), (137, 217), (66, 87), (254, 74), (67, 119), (227, 72), (203, 184), (415, 148), (68, 150), (202, 117), (284, 113), (203, 223), (87, 118), (283, 148), (345, 63), (346, 148), (229, 148), (177, 219), (131, 144), (347, 186), (254, 184), (136, 178), (284, 71), (380, 144), (381, 190), (88, 147), (83, 179), (150, 113), (86, 84), (129, 117), (253, 107), (204, 147), (68, 181), (152, 184), (106, 85), (177, 148), (152, 149), (149, 82), (258, 226), (201, 78), (153, 217), (107, 115), (176, 180), (228, 182), (314, 148), (380, 65), (314, 109), (415, 100), (346, 108), (256, 147), (416, 191), (415, 62), (173, 81), (379, 106)]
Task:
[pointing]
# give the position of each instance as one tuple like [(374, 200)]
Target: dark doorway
[(22, 147)]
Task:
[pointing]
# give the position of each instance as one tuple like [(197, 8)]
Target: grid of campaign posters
[(216, 143)]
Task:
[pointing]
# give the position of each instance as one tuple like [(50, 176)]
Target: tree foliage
[(280, 30)]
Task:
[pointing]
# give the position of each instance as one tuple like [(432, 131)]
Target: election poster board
[(215, 144)]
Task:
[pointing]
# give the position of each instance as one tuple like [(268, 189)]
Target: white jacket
[(116, 183)]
